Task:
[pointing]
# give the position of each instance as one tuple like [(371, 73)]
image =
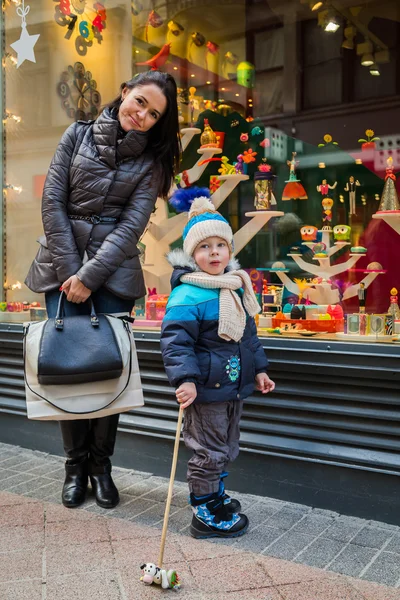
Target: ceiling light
[(192, 75), (208, 82), (374, 70), (332, 25), (223, 89), (367, 60), (175, 68), (349, 34), (237, 95), (315, 5)]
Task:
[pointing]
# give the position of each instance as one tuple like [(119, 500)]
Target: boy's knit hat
[(203, 219)]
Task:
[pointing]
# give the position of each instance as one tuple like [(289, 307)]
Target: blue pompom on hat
[(204, 220)]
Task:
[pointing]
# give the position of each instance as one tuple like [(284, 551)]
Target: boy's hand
[(264, 384), (186, 394)]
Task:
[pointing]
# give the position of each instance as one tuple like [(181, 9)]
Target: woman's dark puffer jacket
[(93, 173), (192, 349)]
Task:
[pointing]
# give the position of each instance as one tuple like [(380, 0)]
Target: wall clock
[(84, 20), (78, 92)]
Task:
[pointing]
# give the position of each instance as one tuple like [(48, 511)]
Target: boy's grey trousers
[(212, 432)]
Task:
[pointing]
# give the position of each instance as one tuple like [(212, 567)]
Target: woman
[(100, 191)]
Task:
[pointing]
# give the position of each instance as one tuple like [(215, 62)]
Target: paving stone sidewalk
[(52, 553)]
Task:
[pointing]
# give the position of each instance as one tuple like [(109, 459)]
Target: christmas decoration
[(175, 28), (24, 46), (324, 187), (328, 139), (369, 143), (153, 20), (342, 233), (159, 60), (263, 185), (208, 139), (393, 309), (246, 75), (293, 189), (389, 200), (327, 204), (85, 18), (351, 187), (309, 233)]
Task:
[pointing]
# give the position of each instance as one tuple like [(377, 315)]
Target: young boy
[(213, 358)]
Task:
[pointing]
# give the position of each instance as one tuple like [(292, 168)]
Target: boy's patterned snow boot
[(213, 518)]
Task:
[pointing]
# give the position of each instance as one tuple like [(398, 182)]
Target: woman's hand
[(75, 290), (264, 384), (186, 394)]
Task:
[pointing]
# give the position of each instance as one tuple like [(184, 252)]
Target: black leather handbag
[(78, 349)]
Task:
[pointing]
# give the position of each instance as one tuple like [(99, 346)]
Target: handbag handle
[(59, 320)]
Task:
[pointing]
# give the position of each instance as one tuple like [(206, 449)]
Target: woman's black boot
[(104, 489), (75, 484)]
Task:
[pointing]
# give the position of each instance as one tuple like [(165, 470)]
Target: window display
[(315, 215)]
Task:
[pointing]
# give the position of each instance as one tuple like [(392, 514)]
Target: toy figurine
[(309, 233), (263, 184), (293, 189), (324, 187), (342, 233), (362, 297), (226, 168), (351, 187), (327, 204), (389, 199), (393, 309), (166, 579)]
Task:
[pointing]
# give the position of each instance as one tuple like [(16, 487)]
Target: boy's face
[(212, 255)]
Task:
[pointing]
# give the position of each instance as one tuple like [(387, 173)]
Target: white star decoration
[(24, 46)]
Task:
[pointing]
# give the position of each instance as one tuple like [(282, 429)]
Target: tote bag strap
[(71, 412)]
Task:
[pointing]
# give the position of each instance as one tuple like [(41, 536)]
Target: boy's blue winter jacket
[(192, 349)]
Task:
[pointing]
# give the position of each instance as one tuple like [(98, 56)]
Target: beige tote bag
[(82, 400)]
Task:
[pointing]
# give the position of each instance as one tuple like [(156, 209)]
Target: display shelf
[(391, 218), (259, 218), (209, 150), (187, 134)]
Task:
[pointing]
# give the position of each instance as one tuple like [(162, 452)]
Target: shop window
[(273, 83)]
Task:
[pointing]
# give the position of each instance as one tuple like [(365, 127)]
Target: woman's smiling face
[(142, 107)]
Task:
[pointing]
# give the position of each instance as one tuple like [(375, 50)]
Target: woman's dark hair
[(164, 137)]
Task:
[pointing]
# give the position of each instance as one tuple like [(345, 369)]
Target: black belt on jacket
[(94, 219)]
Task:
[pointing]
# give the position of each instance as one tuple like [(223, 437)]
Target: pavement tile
[(320, 590), (127, 480), (24, 466), (342, 531), (283, 572), (230, 574), (286, 518), (67, 560), (374, 591), (24, 590), (262, 512), (394, 545), (201, 549), (352, 560), (25, 564), (385, 569), (179, 521), (58, 474), (372, 537), (43, 469), (58, 512), (13, 461), (27, 487), (22, 514), (10, 499), (76, 532), (41, 493), (288, 546), (394, 528), (180, 499), (320, 553), (119, 529), (90, 586), (259, 594), (21, 537), (155, 514), (313, 524), (130, 554), (10, 482), (258, 539)]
